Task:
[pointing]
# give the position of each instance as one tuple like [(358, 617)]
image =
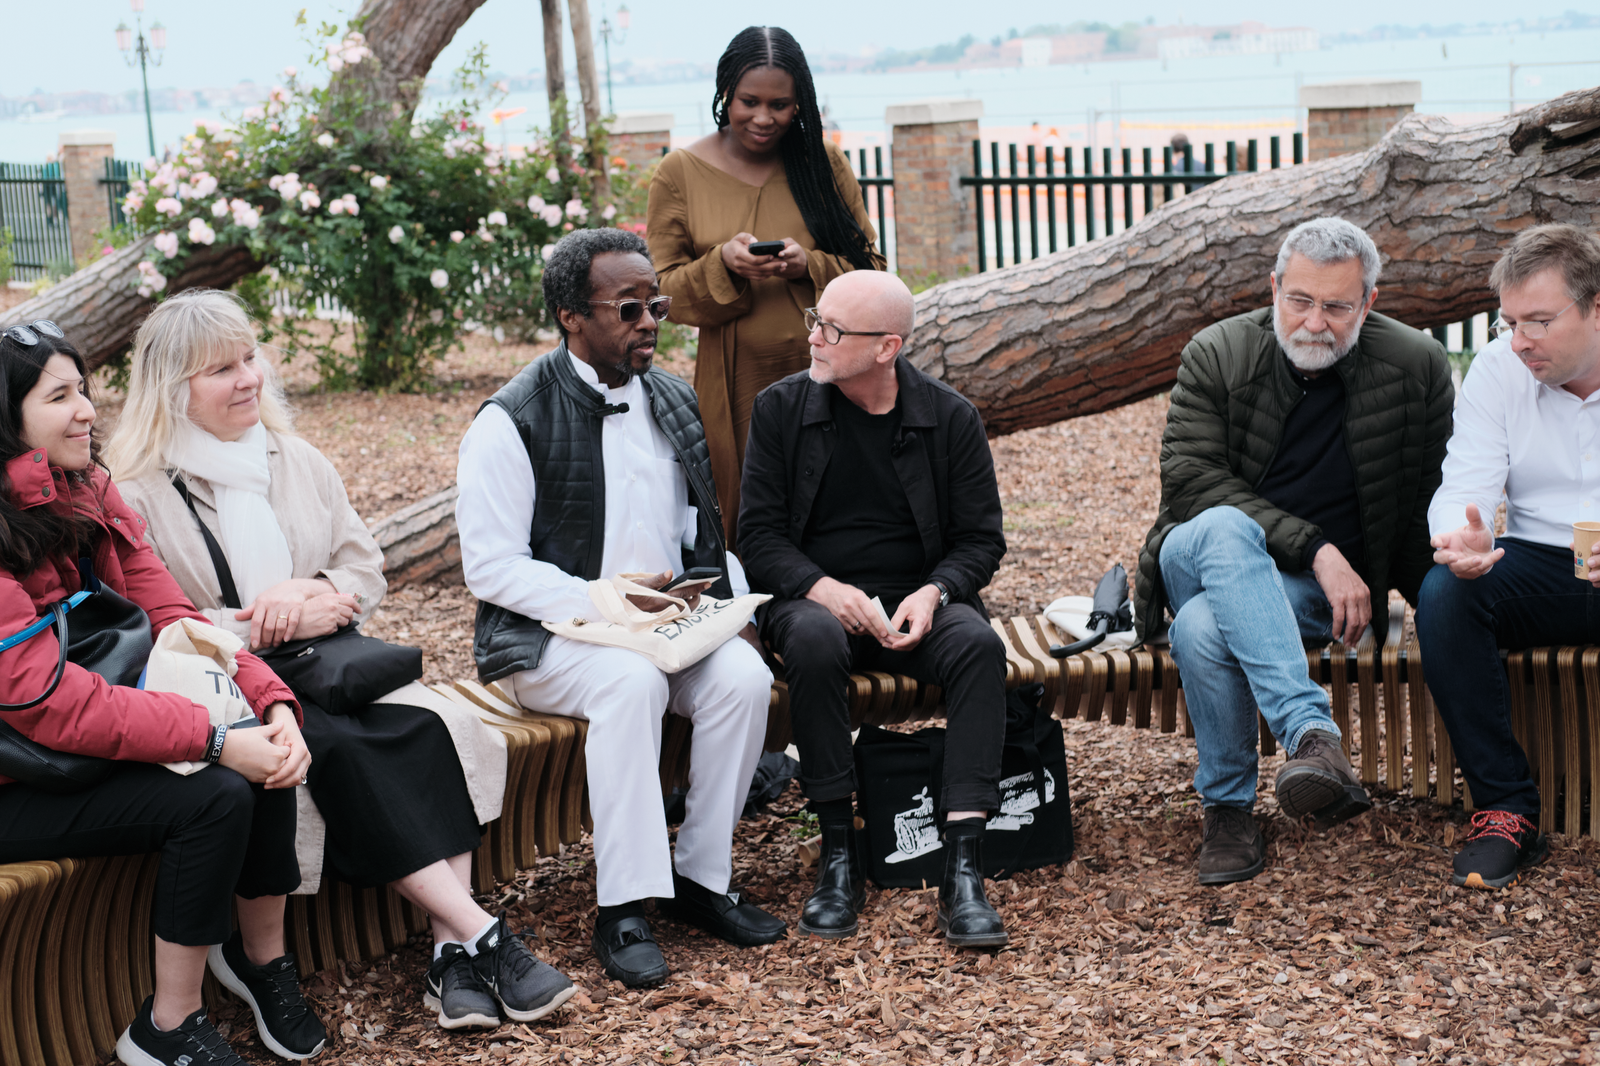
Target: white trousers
[(622, 697)]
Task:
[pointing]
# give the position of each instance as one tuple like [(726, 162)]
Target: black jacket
[(943, 462), (558, 417)]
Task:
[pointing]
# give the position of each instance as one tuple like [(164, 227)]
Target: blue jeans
[(1529, 599), (1237, 636)]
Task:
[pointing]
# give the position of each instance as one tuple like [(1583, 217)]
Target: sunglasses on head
[(28, 335), (633, 310)]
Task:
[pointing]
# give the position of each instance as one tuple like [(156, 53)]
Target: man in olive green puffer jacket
[(1303, 445)]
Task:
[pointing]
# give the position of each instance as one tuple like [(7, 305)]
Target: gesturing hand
[(1469, 552), (918, 609), (852, 607), (1347, 594)]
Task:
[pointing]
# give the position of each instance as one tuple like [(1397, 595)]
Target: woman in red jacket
[(225, 831)]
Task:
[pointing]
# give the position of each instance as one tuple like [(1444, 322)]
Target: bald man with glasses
[(866, 479)]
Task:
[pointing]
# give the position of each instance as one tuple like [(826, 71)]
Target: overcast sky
[(211, 43)]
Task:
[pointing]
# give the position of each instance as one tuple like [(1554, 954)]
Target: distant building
[(1249, 38)]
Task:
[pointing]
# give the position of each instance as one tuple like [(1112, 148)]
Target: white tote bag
[(196, 660), (672, 638)]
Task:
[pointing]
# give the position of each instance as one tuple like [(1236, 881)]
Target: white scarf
[(252, 540)]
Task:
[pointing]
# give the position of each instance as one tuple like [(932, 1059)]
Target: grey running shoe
[(455, 990), (526, 988), (1232, 848)]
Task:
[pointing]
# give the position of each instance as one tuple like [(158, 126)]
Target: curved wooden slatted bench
[(69, 986)]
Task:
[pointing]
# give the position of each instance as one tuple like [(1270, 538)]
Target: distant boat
[(43, 116)]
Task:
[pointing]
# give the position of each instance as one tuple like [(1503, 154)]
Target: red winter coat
[(87, 714)]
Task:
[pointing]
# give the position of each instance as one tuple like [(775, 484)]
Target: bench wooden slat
[(1542, 752), (1417, 705), (32, 886), (57, 970), (1394, 724), (1571, 742), (1367, 701)]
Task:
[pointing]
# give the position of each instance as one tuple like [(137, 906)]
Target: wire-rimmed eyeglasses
[(831, 333), (28, 335), (631, 310), (1332, 310), (1534, 329)]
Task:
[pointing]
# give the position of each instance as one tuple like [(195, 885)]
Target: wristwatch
[(944, 592)]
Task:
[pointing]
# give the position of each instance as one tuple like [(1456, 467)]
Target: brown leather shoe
[(1233, 848), (1317, 780)]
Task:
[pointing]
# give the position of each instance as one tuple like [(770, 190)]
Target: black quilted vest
[(558, 416)]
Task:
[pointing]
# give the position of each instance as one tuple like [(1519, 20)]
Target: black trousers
[(218, 836), (960, 654)]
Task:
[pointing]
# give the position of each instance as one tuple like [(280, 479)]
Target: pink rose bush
[(447, 233)]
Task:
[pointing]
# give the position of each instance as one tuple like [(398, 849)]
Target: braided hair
[(805, 159)]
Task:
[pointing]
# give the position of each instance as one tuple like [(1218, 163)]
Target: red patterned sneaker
[(1500, 847)]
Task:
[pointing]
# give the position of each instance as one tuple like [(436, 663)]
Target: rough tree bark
[(589, 88), (555, 84), (406, 36), (98, 308), (1102, 324)]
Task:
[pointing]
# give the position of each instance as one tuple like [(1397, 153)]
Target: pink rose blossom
[(166, 243)]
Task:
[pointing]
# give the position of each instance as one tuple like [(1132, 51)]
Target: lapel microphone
[(613, 409)]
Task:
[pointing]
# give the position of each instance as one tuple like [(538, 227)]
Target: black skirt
[(391, 790)]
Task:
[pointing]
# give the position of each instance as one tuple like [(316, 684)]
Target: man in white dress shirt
[(586, 465), (1527, 428)]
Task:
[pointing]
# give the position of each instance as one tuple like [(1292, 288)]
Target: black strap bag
[(342, 672), (900, 778), (108, 635)]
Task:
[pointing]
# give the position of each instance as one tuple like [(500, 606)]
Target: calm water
[(1213, 98)]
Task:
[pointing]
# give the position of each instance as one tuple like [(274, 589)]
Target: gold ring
[(283, 616)]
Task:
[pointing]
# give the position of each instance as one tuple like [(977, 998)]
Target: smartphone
[(766, 248), (695, 575)]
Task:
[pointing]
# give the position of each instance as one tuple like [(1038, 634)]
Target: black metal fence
[(33, 207), (877, 189), (1085, 203), (119, 172)]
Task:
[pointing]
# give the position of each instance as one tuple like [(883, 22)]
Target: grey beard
[(1313, 352)]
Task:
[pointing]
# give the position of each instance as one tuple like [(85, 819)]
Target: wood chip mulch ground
[(1350, 948)]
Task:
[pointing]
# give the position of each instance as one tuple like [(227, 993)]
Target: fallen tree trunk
[(98, 307), (1101, 324)]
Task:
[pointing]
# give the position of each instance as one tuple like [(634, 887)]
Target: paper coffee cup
[(1584, 535)]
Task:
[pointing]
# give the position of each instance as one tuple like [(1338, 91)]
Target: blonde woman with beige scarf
[(402, 788)]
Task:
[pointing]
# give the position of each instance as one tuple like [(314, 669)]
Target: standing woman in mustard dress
[(767, 174)]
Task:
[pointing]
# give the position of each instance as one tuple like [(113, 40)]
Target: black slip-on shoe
[(966, 918), (284, 1021), (1232, 847), (1499, 850), (628, 953), (194, 1043), (832, 908), (722, 914), (1318, 780), (453, 988), (526, 988)]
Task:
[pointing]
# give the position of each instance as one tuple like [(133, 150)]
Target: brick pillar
[(933, 220), (639, 136), (1352, 116), (83, 156)]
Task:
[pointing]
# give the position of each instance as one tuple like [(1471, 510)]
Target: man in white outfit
[(586, 465)]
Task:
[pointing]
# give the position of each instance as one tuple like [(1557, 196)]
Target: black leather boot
[(965, 917), (841, 889)]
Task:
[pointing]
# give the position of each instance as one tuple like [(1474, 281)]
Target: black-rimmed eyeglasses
[(28, 335), (831, 333), (631, 310)]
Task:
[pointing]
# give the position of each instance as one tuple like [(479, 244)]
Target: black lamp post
[(621, 34), (149, 54)]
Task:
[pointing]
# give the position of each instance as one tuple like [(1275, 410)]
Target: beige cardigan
[(327, 540)]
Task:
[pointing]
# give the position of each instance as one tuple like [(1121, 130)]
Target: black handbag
[(900, 777), (108, 635), (342, 672)]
